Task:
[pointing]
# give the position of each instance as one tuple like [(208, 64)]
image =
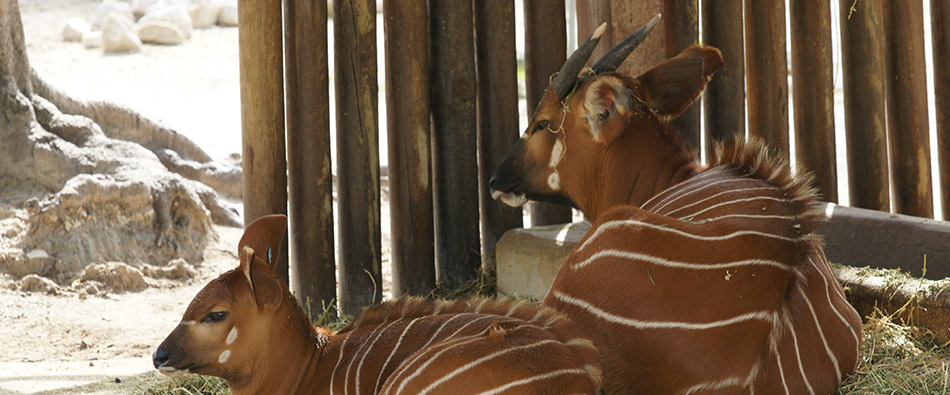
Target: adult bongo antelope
[(246, 327), (692, 279)]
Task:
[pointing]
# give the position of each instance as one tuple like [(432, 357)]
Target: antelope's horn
[(567, 76), (613, 58)]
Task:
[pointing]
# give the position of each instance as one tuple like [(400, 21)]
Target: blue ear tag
[(269, 256)]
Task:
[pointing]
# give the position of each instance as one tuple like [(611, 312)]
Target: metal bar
[(864, 111), (544, 53), (497, 113), (680, 30), (410, 180), (813, 88), (767, 72), (724, 98), (940, 32), (354, 45), (262, 113), (454, 139), (907, 121)]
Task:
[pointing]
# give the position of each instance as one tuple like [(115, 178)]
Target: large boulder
[(228, 16), (204, 13), (175, 12), (74, 29), (161, 32), (107, 8), (119, 35)]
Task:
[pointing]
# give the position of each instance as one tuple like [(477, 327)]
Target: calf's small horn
[(613, 58), (567, 76)]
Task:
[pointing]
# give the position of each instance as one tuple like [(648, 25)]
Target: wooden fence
[(450, 77)]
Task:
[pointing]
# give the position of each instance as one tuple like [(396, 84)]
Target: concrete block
[(528, 259)]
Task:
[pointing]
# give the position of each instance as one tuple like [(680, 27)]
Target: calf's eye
[(215, 316)]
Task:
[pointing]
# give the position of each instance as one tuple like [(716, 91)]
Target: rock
[(75, 29), (34, 283), (228, 16), (92, 39), (35, 254), (177, 269), (204, 13), (117, 275), (169, 11), (109, 7), (118, 34), (161, 32)]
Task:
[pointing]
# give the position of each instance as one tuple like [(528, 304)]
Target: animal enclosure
[(451, 74)]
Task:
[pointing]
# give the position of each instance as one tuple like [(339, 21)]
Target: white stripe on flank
[(767, 316), (798, 356), (824, 279), (821, 333), (489, 357), (346, 338), (693, 215), (713, 196), (349, 366), (368, 349), (678, 265), (714, 385), (751, 216), (528, 380), (686, 187), (393, 352), (457, 343), (610, 225), (781, 372)]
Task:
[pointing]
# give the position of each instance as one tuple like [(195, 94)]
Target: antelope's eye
[(541, 125), (215, 316)]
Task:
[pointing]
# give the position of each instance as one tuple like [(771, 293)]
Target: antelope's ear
[(607, 105), (671, 86), (265, 287), (264, 236)]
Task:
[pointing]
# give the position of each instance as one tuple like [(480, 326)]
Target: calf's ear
[(671, 86), (607, 105)]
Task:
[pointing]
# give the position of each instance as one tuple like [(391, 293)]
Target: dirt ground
[(66, 339)]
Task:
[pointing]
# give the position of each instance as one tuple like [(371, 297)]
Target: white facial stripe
[(554, 181), (556, 153), (186, 323), (232, 336), (224, 356)]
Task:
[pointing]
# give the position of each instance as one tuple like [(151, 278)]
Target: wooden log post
[(354, 44), (767, 72), (724, 97), (623, 17), (306, 79), (864, 110), (410, 180), (813, 93), (497, 113), (940, 32), (907, 120), (262, 114), (454, 139), (545, 51), (680, 30)]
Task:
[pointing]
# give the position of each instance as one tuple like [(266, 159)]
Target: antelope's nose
[(159, 357)]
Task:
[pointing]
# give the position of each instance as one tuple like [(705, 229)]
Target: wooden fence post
[(410, 181), (767, 72), (813, 85), (306, 80), (680, 30), (907, 121), (545, 50), (940, 32), (262, 114), (354, 45), (453, 96), (724, 97), (864, 111), (497, 113)]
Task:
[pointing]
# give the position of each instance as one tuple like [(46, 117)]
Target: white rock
[(108, 7), (118, 34), (37, 254), (174, 12), (228, 16), (92, 39), (74, 30), (161, 32), (204, 13)]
